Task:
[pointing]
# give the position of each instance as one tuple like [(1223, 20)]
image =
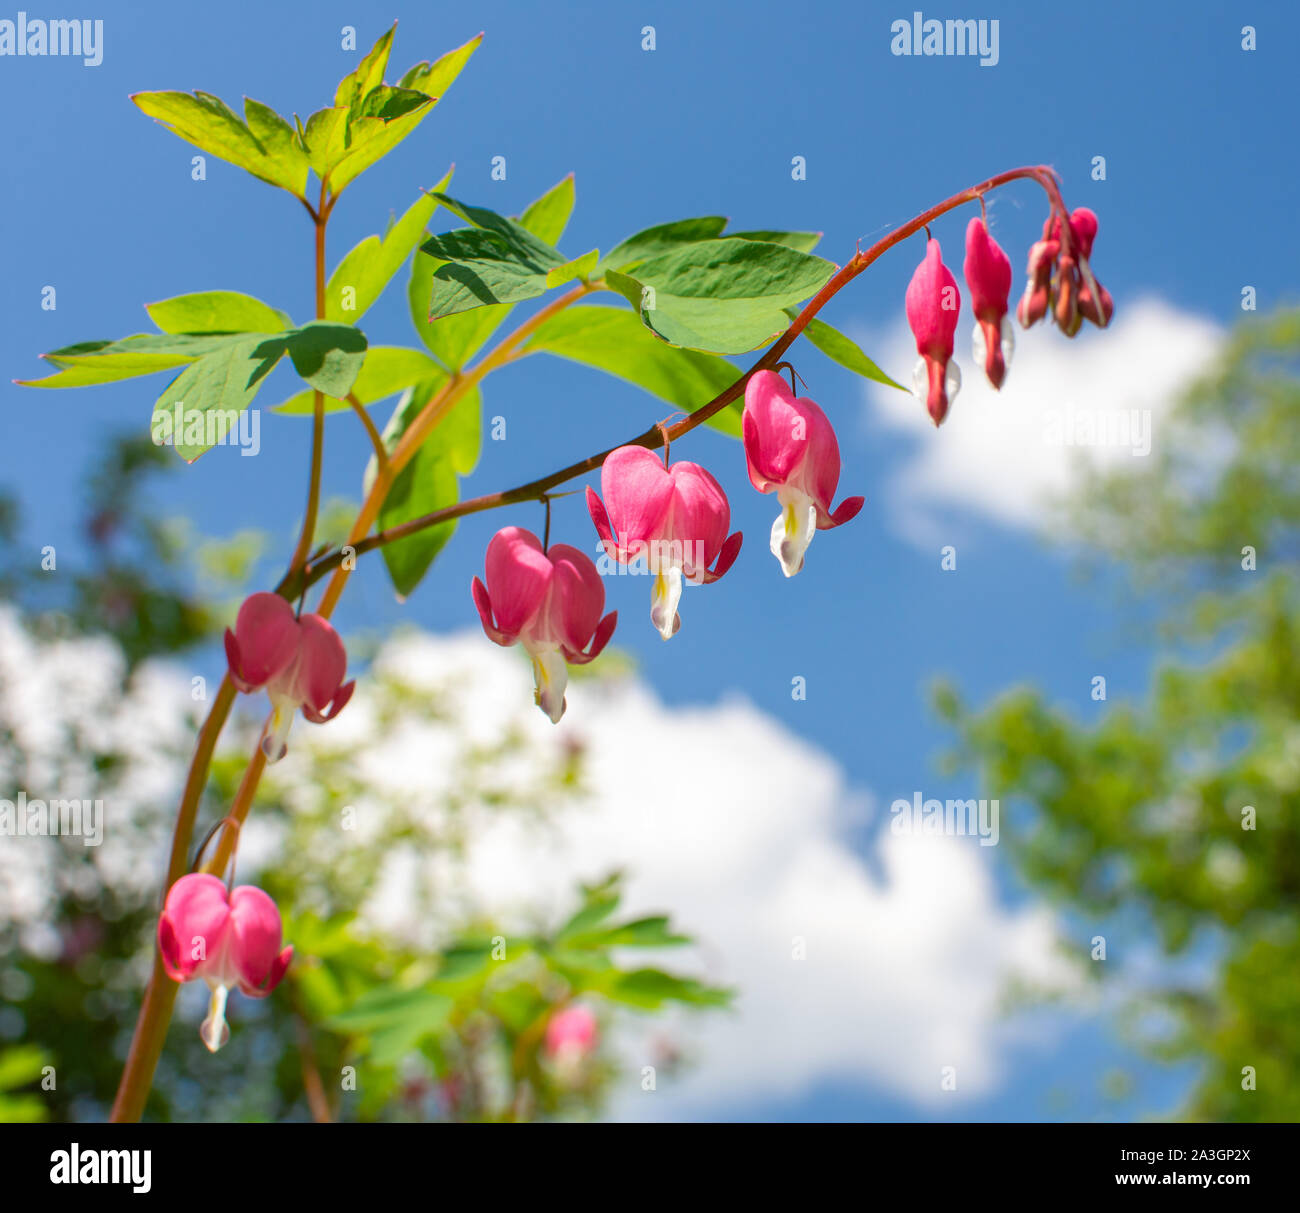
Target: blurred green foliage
[(1183, 812), (367, 1025)]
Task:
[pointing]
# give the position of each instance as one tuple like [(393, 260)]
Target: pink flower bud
[(675, 517), (1038, 289), (988, 277), (1066, 287), (571, 1033), (229, 941), (791, 450), (933, 302), (548, 601), (299, 660)]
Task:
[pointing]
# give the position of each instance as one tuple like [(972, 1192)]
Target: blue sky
[(1199, 200)]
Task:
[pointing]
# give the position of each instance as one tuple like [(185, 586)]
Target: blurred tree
[(1186, 809)]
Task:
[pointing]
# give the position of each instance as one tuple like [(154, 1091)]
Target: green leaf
[(454, 340), (649, 989), (213, 392), (396, 113), (369, 74), (549, 215), (436, 78), (650, 932), (209, 124), (387, 1007), (91, 362), (20, 1065), (805, 242), (428, 482), (369, 267), (285, 156), (599, 902), (387, 369), (216, 312), (579, 267), (495, 261), (723, 296), (328, 356), (664, 238), (836, 346), (613, 340), (325, 138)]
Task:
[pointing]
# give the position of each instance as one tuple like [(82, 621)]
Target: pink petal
[(322, 662), (987, 270), (195, 910), (266, 638), (255, 938), (638, 492), (726, 558), (774, 431), (604, 630), (932, 324), (518, 574), (576, 599), (846, 511), (483, 601), (819, 476), (700, 513)]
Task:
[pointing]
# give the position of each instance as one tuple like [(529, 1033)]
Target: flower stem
[(661, 435)]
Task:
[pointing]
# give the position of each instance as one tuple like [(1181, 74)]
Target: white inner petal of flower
[(979, 350), (793, 529), (550, 678), (214, 1031), (664, 599), (275, 733)]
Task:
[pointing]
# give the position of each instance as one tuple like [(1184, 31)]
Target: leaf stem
[(381, 455)]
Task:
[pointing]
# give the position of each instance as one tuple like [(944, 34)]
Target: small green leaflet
[(497, 260), (721, 296), (369, 267), (216, 312), (91, 362), (454, 340), (265, 146), (203, 403), (663, 238), (549, 215), (387, 370)]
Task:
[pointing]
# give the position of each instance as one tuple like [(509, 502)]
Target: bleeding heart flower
[(791, 450), (299, 660), (550, 601), (987, 270), (933, 303), (676, 517), (571, 1033), (230, 941)]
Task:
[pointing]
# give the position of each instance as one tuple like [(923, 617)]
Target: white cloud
[(1000, 455), (719, 815), (736, 826)]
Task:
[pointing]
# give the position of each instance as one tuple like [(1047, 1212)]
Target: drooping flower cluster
[(229, 940), (1060, 277), (300, 660), (1060, 283)]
